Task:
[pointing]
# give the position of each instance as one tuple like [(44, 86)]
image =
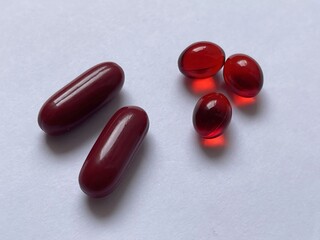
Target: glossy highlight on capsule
[(201, 60), (212, 115), (113, 151), (75, 102)]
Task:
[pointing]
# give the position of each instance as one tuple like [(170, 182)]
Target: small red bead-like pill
[(80, 98), (201, 60), (243, 75), (113, 151), (212, 115)]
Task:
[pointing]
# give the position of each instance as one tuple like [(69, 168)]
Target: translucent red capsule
[(113, 151), (201, 60), (80, 98), (243, 75), (212, 115)]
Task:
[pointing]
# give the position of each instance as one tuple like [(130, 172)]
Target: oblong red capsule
[(113, 151), (201, 60), (80, 98)]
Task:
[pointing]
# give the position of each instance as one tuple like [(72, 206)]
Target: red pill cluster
[(242, 75), (118, 141), (124, 132)]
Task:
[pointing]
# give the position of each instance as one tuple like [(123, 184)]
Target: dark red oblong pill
[(113, 151), (80, 98)]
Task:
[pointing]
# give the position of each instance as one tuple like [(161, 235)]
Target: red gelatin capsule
[(243, 75), (80, 98), (113, 151), (201, 60), (212, 115)]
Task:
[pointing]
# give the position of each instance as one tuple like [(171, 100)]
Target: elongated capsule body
[(113, 151), (72, 104)]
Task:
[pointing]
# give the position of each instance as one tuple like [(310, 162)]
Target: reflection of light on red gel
[(241, 101), (214, 142), (201, 86)]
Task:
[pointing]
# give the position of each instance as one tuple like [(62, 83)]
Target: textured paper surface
[(264, 184)]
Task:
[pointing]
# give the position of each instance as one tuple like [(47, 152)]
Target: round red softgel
[(201, 60), (243, 75), (212, 115)]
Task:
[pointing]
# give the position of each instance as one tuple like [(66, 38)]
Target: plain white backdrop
[(264, 183)]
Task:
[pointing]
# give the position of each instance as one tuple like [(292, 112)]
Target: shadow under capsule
[(199, 86), (214, 147), (249, 106)]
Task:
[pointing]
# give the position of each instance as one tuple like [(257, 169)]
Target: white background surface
[(264, 184)]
